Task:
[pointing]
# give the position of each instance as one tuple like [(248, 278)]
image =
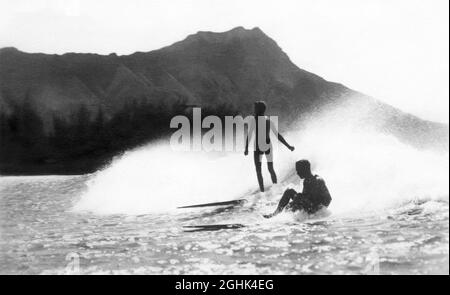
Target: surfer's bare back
[(314, 197), (263, 146)]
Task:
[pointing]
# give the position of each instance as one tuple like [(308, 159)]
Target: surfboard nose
[(227, 203)]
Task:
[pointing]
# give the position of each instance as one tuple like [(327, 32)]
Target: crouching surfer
[(314, 197)]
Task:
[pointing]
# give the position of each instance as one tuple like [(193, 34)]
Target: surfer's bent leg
[(288, 195), (257, 159)]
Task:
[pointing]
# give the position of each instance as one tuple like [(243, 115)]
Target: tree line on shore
[(87, 141)]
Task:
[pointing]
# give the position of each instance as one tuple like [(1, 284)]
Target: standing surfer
[(262, 126), (314, 197)]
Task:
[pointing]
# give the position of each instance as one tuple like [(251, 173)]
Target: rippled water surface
[(42, 234)]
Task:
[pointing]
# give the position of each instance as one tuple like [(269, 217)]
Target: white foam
[(364, 170), (155, 178)]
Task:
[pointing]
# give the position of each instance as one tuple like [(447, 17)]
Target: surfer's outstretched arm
[(283, 141), (280, 137)]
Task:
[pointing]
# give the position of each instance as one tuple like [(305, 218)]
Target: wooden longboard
[(212, 227), (227, 203)]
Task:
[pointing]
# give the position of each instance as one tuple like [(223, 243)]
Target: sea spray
[(363, 168)]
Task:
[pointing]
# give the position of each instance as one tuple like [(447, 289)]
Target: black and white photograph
[(224, 138)]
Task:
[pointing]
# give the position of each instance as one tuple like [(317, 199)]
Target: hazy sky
[(396, 50)]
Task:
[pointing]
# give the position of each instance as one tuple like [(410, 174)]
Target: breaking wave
[(364, 170)]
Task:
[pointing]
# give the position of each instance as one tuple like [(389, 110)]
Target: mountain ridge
[(122, 61), (228, 71)]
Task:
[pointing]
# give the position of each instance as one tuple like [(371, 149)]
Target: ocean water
[(389, 214), (41, 233)]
